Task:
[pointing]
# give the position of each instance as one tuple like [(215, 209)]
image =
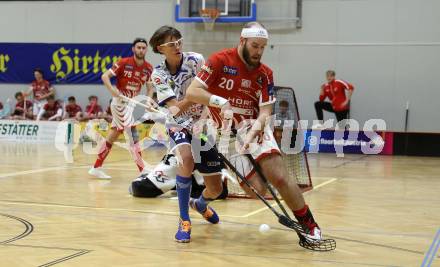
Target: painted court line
[(430, 255), (5, 175), (85, 207), (57, 168), (100, 208), (322, 184), (282, 201)]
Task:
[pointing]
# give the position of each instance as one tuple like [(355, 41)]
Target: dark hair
[(18, 94), (331, 73), (139, 40), (160, 34), (71, 98), (50, 97), (284, 103), (39, 71), (93, 96)]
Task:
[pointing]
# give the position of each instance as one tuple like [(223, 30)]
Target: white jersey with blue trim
[(169, 86)]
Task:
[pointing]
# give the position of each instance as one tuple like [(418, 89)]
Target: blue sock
[(202, 203), (183, 186)]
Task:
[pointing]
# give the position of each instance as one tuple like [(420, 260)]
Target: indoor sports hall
[(368, 166)]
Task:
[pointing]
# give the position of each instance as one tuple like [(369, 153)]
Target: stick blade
[(307, 243), (321, 245)]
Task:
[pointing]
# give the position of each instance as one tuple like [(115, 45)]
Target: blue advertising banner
[(339, 142), (61, 63)]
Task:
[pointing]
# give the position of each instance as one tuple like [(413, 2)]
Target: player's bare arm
[(149, 93), (257, 129), (150, 89), (177, 107), (197, 93), (106, 80)]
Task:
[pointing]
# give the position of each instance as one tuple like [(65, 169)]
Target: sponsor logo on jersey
[(241, 90), (207, 69), (128, 67), (245, 83), (230, 70), (157, 80), (240, 102), (133, 86)]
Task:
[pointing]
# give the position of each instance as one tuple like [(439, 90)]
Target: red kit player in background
[(334, 89), (131, 74), (235, 81), (41, 89)]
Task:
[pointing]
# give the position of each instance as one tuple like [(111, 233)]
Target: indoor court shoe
[(313, 232), (183, 234), (209, 213), (99, 173)]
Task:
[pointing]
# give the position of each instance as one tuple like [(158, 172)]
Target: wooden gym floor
[(382, 210)]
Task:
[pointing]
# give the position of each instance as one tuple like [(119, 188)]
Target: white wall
[(389, 49)]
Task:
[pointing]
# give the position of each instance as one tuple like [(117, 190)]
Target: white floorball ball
[(264, 228)]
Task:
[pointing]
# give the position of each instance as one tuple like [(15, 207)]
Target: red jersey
[(40, 88), (130, 77), (93, 109), (225, 75), (51, 110), (20, 105), (335, 91), (326, 93), (73, 109)]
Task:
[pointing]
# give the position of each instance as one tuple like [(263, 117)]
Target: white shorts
[(122, 113), (37, 106), (258, 151)]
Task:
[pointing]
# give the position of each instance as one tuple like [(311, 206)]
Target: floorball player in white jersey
[(170, 80)]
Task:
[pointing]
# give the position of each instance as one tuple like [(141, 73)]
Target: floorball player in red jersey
[(334, 89), (131, 74), (235, 81), (41, 89)]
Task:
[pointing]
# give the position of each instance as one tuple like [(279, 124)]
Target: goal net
[(285, 109)]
